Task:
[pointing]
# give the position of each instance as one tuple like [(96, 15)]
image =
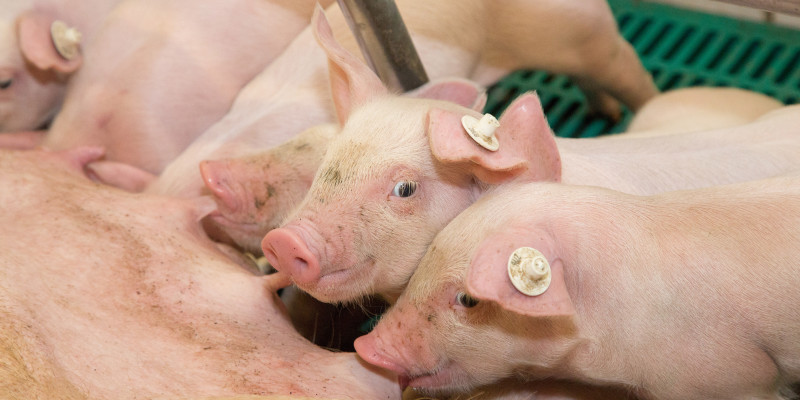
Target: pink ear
[(37, 45), (459, 91), (487, 278), (352, 82), (527, 146)]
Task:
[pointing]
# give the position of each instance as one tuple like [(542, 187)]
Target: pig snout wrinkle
[(288, 253)]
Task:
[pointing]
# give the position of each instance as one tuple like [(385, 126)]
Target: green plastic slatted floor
[(680, 48)]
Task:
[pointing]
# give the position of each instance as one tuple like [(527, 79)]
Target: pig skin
[(111, 295), (162, 71), (681, 295), (521, 389), (697, 109)]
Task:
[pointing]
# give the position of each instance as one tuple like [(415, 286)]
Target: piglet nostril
[(300, 264)]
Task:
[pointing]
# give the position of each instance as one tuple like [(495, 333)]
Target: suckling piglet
[(682, 295)]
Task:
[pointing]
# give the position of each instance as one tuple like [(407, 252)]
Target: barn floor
[(681, 48)]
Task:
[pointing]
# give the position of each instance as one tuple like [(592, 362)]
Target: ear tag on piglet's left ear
[(482, 130), (529, 271), (66, 39)]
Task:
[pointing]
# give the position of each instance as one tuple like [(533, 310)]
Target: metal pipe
[(385, 42), (780, 6)]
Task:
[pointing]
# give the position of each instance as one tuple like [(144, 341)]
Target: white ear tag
[(482, 131), (67, 40), (529, 271)]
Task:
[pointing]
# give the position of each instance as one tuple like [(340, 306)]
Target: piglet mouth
[(440, 378), (338, 284), (415, 377), (224, 219)]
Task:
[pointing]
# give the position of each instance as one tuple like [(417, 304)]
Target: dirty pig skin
[(111, 295)]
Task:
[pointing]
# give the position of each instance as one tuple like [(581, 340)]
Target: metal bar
[(385, 42), (780, 6)]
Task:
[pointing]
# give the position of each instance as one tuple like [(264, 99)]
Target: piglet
[(33, 70), (682, 295), (694, 109), (162, 71), (401, 168)]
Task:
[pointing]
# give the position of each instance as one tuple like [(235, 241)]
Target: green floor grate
[(680, 48)]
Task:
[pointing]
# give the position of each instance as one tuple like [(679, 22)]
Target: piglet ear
[(487, 277), (352, 82), (460, 91), (36, 44), (527, 146)]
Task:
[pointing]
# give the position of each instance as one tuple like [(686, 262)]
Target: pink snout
[(288, 253), (367, 348), (215, 177)]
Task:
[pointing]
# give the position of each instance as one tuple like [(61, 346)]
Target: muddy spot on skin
[(259, 202), (332, 176), (302, 146)]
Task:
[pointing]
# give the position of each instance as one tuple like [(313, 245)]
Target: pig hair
[(26, 374)]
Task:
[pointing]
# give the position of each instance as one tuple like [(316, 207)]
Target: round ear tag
[(529, 271), (482, 130), (66, 39)]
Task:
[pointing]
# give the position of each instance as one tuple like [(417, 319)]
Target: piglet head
[(416, 336), (256, 192), (437, 337), (378, 197), (447, 332)]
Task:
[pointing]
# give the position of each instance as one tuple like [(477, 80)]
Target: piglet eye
[(466, 300), (404, 188), (6, 84)]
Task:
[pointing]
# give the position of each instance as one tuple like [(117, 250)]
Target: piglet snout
[(288, 253), (215, 176), (367, 349)]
